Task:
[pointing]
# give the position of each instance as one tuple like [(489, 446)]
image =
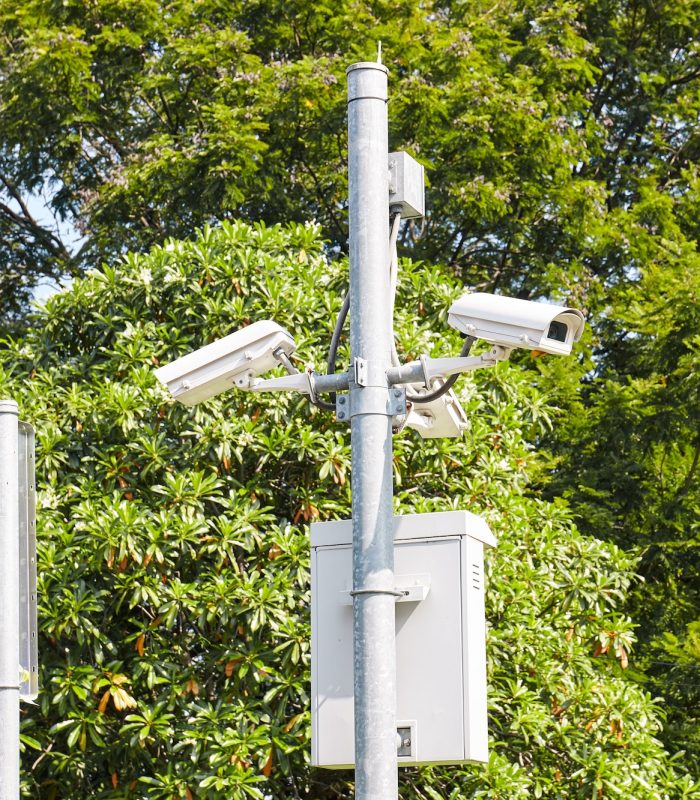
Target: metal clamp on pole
[(392, 592), (372, 400), (409, 589)]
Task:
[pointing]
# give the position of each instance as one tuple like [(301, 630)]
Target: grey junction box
[(440, 640), (406, 185)]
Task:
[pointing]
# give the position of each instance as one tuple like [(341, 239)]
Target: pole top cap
[(367, 65), (8, 407), (367, 80)]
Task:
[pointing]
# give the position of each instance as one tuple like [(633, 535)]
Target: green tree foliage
[(628, 453), (174, 564)]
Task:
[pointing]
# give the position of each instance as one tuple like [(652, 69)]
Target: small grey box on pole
[(9, 601), (376, 775)]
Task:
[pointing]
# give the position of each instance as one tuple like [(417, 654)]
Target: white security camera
[(441, 418), (235, 359), (511, 323)]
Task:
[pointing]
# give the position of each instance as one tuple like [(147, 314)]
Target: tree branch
[(28, 223)]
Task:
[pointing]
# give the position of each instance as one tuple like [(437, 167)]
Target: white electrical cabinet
[(440, 640)]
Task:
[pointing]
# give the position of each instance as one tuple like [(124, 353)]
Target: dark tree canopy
[(542, 128)]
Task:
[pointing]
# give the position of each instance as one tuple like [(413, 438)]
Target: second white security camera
[(235, 359), (511, 323)]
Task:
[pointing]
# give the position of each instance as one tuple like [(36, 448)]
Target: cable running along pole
[(376, 774)]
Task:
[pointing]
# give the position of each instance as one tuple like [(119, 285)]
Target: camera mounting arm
[(427, 369), (307, 382), (423, 371)]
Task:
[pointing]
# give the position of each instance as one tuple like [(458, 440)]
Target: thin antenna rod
[(379, 52)]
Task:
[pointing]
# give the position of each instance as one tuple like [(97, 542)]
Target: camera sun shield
[(515, 323)]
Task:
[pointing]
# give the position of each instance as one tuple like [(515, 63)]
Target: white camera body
[(438, 419), (235, 359), (513, 323)]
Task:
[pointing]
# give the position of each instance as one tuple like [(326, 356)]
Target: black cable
[(333, 352), (335, 339), (322, 404), (337, 332), (342, 316), (447, 385)]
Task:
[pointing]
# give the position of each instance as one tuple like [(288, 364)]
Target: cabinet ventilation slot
[(476, 576)]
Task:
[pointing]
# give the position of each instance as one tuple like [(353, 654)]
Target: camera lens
[(558, 331)]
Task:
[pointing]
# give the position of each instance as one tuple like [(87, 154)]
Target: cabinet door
[(429, 650), (430, 653)]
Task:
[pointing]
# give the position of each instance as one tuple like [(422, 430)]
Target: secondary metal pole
[(9, 601), (376, 775)]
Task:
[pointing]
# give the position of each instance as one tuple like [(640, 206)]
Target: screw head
[(397, 392), (341, 400), (341, 415)]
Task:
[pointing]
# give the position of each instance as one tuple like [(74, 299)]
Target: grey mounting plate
[(406, 745), (361, 367)]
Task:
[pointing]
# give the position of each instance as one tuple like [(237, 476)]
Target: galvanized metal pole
[(9, 602), (376, 775)]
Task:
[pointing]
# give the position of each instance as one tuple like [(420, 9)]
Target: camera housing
[(441, 418), (512, 323), (235, 359)]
